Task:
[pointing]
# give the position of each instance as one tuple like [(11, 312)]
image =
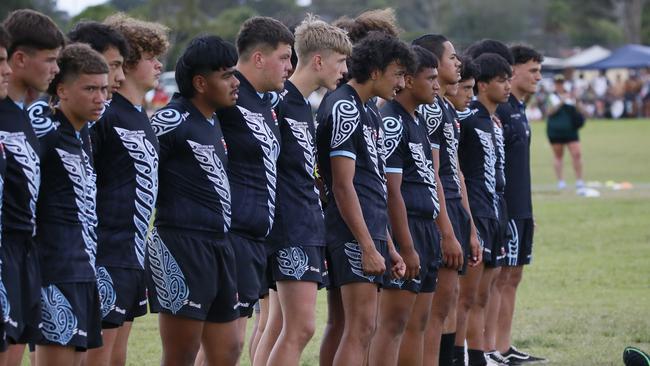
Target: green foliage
[(97, 13), (227, 24)]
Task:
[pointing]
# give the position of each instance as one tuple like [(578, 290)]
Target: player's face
[(115, 61), (5, 72), (525, 77), (498, 89), (389, 81), (449, 66), (222, 88), (333, 68), (146, 73), (84, 96), (40, 67), (276, 65), (425, 86), (465, 93)]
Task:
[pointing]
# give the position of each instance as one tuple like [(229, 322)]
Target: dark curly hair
[(375, 52)]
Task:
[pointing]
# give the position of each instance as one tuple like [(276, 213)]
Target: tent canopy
[(631, 56)]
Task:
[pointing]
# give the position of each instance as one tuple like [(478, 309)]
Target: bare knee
[(300, 333), (466, 300), (363, 331)]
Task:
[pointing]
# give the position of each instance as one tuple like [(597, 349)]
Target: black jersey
[(408, 152), (348, 128), (443, 128), (500, 184), (251, 131), (516, 133), (126, 160), (23, 174), (477, 155), (299, 216), (3, 170), (66, 213), (194, 192)]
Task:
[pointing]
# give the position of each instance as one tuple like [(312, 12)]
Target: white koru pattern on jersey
[(83, 184), (488, 165), (293, 262), (425, 170), (59, 324), (17, 144), (107, 296), (171, 289), (41, 123), (271, 151), (392, 134), (432, 114), (210, 163), (145, 161), (345, 119), (353, 252), (166, 120)]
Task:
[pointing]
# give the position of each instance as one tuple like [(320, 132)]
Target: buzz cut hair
[(141, 36), (313, 35), (261, 32), (77, 59), (32, 31), (378, 20)]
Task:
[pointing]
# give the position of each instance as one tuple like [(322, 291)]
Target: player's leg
[(102, 356), (507, 284), (181, 338), (395, 307), (258, 329), (219, 346), (360, 301), (15, 354), (271, 330), (54, 355), (442, 305), (411, 351), (576, 158), (558, 155), (492, 314), (467, 297), (118, 358), (333, 327)]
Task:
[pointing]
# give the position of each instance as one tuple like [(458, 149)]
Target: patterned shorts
[(123, 294), (298, 263), (344, 264)]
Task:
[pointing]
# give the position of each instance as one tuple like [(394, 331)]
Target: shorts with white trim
[(491, 237), (519, 249), (123, 294), (460, 221), (251, 263)]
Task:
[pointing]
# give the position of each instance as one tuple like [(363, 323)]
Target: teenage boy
[(460, 246), (35, 44), (125, 150), (351, 161), (477, 154), (297, 240), (413, 206), (526, 74), (465, 94), (66, 216)]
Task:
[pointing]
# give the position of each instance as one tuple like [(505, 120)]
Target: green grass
[(587, 295)]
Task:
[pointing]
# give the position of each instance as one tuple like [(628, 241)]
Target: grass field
[(587, 295)]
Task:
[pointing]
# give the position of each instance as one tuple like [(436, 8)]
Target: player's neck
[(364, 90), (487, 103), (406, 100), (130, 90), (251, 74), (206, 109), (443, 89), (17, 89), (76, 122), (303, 79), (519, 94)]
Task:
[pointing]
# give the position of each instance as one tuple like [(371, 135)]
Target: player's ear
[(317, 61), (408, 81), (199, 83)]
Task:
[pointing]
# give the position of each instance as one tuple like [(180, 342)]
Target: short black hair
[(74, 60), (468, 69), (203, 55), (263, 31), (433, 42), (32, 30), (489, 46), (5, 39), (424, 59), (522, 54), (99, 36), (492, 65), (375, 52)]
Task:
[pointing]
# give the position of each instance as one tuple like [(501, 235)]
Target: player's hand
[(398, 268), (411, 261), (477, 251), (452, 252), (373, 262)]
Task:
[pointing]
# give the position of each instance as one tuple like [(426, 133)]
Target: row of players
[(229, 166)]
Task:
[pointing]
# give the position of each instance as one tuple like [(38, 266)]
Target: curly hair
[(378, 20), (375, 52), (74, 60), (141, 36)]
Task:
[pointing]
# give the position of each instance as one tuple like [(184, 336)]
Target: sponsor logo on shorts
[(82, 333), (195, 305), (241, 305), (120, 310), (143, 302)]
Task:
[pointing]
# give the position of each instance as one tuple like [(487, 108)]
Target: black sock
[(447, 349), (459, 355), (476, 357)]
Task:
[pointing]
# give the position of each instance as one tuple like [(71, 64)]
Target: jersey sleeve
[(393, 134), (345, 118), (432, 115), (39, 115), (165, 123)]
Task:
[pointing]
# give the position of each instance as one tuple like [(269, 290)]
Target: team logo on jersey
[(59, 324), (293, 262), (171, 289), (106, 290), (271, 150), (353, 252), (145, 161), (345, 119), (210, 163), (489, 164), (393, 128), (166, 120)]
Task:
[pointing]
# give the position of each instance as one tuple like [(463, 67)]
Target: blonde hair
[(314, 35), (381, 20), (142, 37)]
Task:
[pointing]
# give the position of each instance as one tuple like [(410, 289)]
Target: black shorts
[(251, 261), (519, 249), (426, 240), (71, 315), (21, 277), (460, 221), (123, 294), (491, 237), (344, 264), (191, 274), (563, 140), (298, 264)]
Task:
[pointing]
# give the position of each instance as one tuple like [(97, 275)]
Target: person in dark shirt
[(126, 159), (35, 44), (297, 240), (351, 161), (66, 217), (460, 248), (190, 261), (478, 159), (517, 136)]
